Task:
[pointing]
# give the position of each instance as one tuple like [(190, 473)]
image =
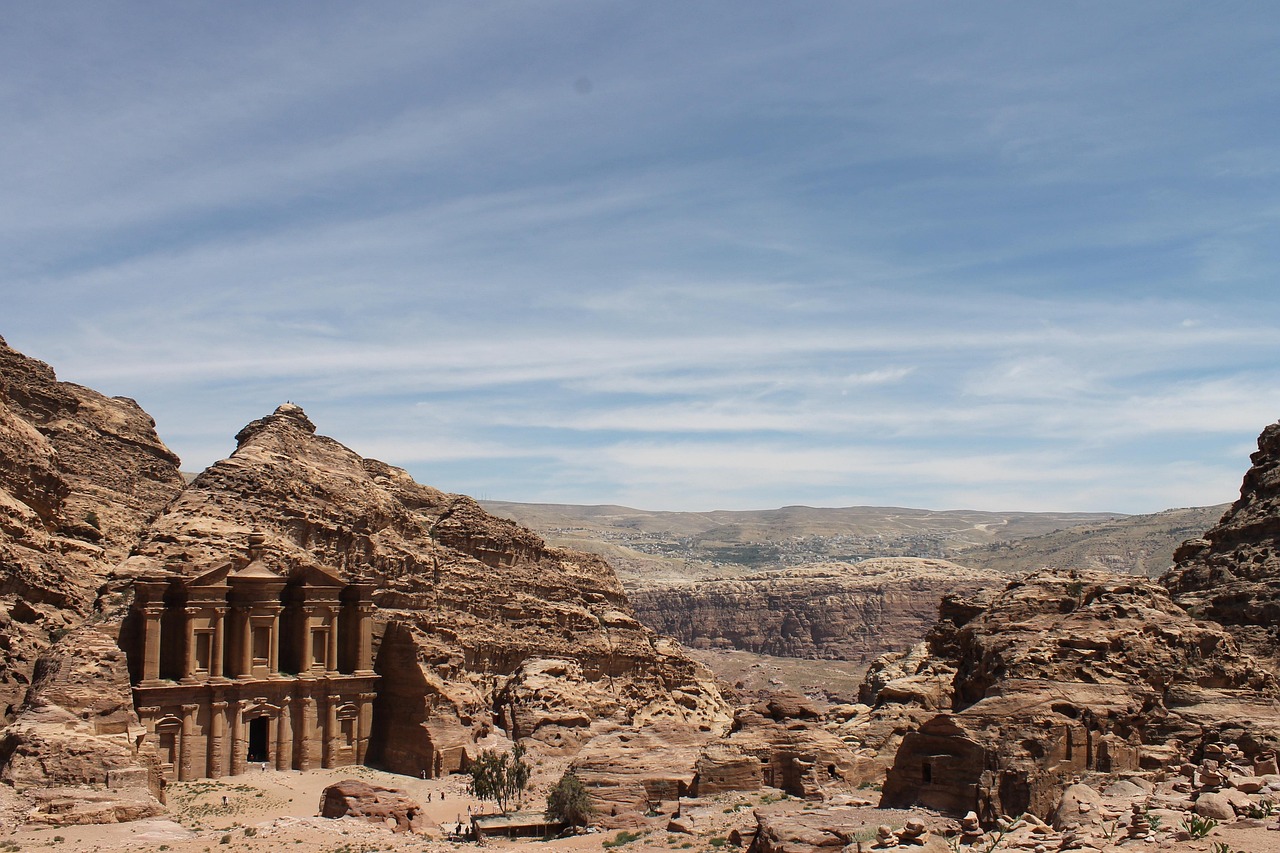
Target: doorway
[(259, 737)]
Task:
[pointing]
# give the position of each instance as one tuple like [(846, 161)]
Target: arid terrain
[(190, 663)]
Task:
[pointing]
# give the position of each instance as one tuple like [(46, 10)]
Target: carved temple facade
[(242, 665)]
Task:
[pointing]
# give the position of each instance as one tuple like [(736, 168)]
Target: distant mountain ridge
[(652, 547), (1135, 544)]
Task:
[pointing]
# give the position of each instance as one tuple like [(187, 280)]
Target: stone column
[(330, 744), (246, 643), (217, 731), (238, 746), (185, 768), (273, 656), (331, 648), (151, 614), (216, 647), (189, 632), (364, 725), (364, 657), (306, 732), (284, 735), (305, 664)]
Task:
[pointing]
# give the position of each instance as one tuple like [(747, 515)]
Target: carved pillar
[(151, 614), (364, 658), (189, 632), (217, 731), (329, 746), (246, 642), (331, 648), (307, 730), (364, 724), (308, 659), (284, 735), (185, 749), (273, 656), (216, 650), (238, 746)]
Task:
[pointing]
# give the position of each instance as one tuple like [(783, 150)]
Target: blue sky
[(671, 255)]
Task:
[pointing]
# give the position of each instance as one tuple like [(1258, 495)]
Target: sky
[(684, 256)]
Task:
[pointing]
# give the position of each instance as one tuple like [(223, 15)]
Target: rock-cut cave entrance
[(259, 730)]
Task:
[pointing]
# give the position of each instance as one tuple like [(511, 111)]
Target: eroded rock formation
[(848, 611), (80, 476), (372, 803), (1068, 673), (1232, 573)]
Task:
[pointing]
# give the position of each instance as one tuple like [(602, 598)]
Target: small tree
[(500, 776), (569, 801)]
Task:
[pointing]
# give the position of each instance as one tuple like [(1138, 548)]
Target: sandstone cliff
[(481, 625), (829, 610), (1232, 573), (80, 476)]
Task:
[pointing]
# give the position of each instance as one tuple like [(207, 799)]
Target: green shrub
[(622, 838), (1198, 827)]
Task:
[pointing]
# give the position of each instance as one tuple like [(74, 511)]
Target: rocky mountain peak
[(286, 417)]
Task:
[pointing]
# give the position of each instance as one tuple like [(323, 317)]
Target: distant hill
[(658, 548), (652, 547), (1137, 544)]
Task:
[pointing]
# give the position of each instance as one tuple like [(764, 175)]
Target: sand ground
[(273, 812)]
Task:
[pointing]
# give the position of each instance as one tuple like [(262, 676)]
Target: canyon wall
[(831, 610)]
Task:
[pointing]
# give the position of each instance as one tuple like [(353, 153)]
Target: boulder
[(388, 806), (1215, 805), (1080, 806)]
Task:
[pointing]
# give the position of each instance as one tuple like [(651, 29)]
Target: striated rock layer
[(80, 477), (847, 611), (1232, 573)]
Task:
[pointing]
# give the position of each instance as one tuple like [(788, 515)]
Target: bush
[(569, 801), (621, 838)]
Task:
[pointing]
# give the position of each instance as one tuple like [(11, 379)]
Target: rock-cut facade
[(246, 664)]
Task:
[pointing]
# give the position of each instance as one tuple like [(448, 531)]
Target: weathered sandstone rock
[(80, 476), (1232, 573), (1068, 673), (77, 749), (769, 748), (387, 806)]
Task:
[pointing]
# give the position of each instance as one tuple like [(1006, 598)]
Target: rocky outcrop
[(1232, 573), (777, 748), (387, 806), (848, 611), (80, 476), (1069, 673), (481, 626), (77, 749), (782, 830)]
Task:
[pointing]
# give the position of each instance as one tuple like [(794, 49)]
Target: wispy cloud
[(1010, 257)]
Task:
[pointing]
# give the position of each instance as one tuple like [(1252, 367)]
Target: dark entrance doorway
[(259, 729)]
